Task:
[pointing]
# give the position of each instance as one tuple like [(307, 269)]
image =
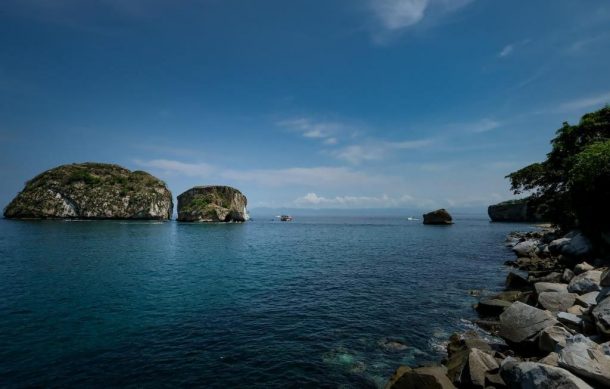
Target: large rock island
[(212, 204), (92, 191), (521, 210)]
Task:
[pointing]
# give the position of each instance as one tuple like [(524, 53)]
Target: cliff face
[(92, 191), (212, 204), (514, 211)]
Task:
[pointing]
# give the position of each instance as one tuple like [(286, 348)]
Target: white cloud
[(396, 15), (384, 201), (377, 150), (308, 128), (506, 51), (484, 125), (596, 101), (176, 167)]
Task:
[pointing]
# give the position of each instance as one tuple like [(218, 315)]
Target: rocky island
[(521, 210), (213, 203), (92, 191), (439, 217)]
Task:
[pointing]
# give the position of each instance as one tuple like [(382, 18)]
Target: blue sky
[(412, 104)]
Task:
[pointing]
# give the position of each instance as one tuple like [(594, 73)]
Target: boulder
[(576, 310), (212, 204), (582, 267), (552, 359), (551, 337), (521, 210), (585, 282), (586, 359), (92, 191), (532, 375), (574, 244), (567, 275), (552, 277), (422, 377), (587, 300), (605, 278), (555, 301), (542, 287), (515, 282), (526, 248), (570, 320), (601, 316), (458, 353), (479, 365), (440, 216), (492, 307), (520, 323)]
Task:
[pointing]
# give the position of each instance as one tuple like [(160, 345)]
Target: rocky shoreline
[(552, 323)]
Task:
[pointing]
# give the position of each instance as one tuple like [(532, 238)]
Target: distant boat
[(286, 218), (412, 219)]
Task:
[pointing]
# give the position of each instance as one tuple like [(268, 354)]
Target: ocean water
[(311, 303)]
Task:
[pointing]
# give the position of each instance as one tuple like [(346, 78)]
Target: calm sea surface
[(312, 303)]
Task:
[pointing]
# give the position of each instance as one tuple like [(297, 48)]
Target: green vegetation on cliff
[(92, 190), (572, 185)]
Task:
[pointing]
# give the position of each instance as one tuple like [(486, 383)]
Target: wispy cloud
[(595, 101), (312, 200), (506, 51), (309, 128), (510, 48), (376, 150), (483, 125), (396, 15)]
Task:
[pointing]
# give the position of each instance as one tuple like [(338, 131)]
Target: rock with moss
[(212, 203), (92, 191)]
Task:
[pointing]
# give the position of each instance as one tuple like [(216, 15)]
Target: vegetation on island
[(572, 186)]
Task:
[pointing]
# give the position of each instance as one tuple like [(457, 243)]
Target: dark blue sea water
[(261, 304)]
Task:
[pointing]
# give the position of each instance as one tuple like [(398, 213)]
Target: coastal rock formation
[(514, 211), (212, 204), (440, 216), (422, 377), (538, 375), (92, 191), (587, 359)]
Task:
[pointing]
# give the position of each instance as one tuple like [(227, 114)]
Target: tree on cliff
[(572, 185)]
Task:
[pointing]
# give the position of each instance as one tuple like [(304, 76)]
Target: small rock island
[(439, 217), (213, 203), (92, 191)]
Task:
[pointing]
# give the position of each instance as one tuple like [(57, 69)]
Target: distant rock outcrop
[(212, 204), (92, 191), (520, 210), (440, 216)]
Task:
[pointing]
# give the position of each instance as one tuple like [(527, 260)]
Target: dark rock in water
[(422, 377), (440, 216), (392, 345), (492, 307), (514, 211), (92, 191), (212, 204), (520, 324)]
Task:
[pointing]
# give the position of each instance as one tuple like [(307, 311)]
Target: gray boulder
[(520, 323), (586, 359), (585, 282), (551, 337), (432, 377), (571, 320), (440, 216), (556, 302), (574, 244), (567, 275), (605, 278), (601, 315), (532, 375), (526, 248), (542, 287), (479, 364), (587, 300), (582, 267)]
